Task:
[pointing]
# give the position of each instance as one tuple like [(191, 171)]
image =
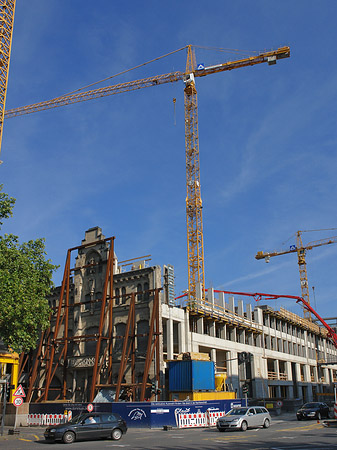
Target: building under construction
[(115, 325)]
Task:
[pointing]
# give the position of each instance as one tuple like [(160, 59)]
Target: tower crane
[(195, 245), (7, 11), (301, 250)]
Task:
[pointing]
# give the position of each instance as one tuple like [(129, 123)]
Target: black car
[(313, 410), (88, 426)]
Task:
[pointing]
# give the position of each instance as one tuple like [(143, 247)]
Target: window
[(108, 418), (142, 336), (92, 419), (123, 295), (119, 337), (139, 289), (90, 346), (117, 299), (146, 293)]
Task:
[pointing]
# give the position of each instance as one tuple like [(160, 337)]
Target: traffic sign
[(19, 392), (17, 401), (90, 407)]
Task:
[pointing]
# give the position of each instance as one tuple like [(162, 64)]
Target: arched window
[(117, 299), (123, 295), (90, 346), (93, 260), (119, 337), (98, 296), (142, 336), (139, 296), (146, 293)]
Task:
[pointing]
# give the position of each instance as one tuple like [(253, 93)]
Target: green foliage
[(25, 282), (6, 205)]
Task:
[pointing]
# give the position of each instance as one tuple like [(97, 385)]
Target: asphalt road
[(284, 434)]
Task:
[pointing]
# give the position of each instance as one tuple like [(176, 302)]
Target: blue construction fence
[(140, 414)]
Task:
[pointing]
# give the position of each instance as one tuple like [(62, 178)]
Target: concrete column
[(181, 337), (316, 374), (298, 380), (213, 355), (249, 311), (233, 370), (169, 336), (74, 385), (309, 392), (210, 298), (212, 329), (288, 371), (258, 315), (231, 306), (298, 372), (307, 376), (326, 375), (240, 308), (260, 386), (222, 300), (200, 325), (277, 368), (188, 333)]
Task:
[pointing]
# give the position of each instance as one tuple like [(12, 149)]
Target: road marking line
[(27, 440), (231, 438)]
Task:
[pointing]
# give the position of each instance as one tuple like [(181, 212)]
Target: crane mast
[(7, 11), (302, 266), (195, 239)]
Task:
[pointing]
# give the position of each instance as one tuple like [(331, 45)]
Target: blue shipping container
[(188, 376)]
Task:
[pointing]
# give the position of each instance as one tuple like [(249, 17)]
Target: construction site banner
[(140, 414)]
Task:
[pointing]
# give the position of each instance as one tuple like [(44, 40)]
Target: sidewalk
[(24, 433)]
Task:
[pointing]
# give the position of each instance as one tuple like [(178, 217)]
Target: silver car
[(243, 418)]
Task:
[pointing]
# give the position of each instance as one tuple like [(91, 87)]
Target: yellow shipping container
[(196, 396)]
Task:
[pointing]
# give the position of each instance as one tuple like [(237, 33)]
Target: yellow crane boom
[(7, 12), (196, 277), (301, 250)]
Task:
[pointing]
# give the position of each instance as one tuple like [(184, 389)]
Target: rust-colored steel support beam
[(52, 353), (125, 352), (108, 278), (150, 344)]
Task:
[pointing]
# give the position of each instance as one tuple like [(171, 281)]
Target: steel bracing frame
[(52, 351)]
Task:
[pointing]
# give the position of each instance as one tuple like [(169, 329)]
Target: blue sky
[(268, 136)]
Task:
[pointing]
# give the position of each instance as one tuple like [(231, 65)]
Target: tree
[(25, 282)]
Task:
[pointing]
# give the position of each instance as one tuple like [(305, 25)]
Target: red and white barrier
[(335, 411), (191, 420), (54, 419), (213, 416), (45, 419), (35, 419)]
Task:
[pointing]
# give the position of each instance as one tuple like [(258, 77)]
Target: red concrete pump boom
[(259, 296)]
